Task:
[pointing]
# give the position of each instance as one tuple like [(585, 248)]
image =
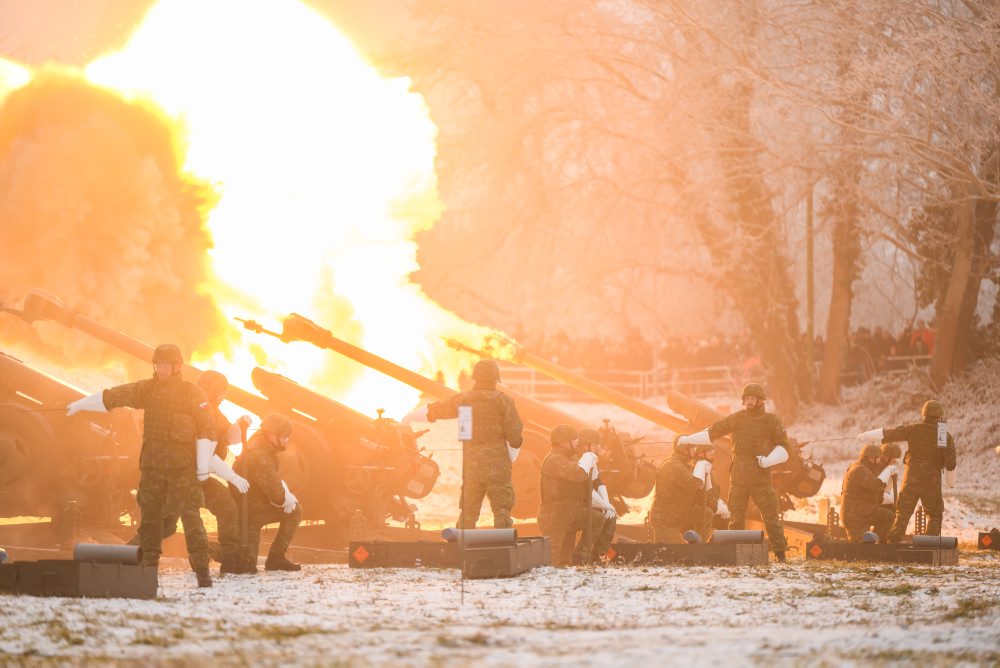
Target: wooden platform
[(890, 553)]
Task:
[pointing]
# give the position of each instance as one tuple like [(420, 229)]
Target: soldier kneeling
[(863, 491), (684, 498), (269, 499)]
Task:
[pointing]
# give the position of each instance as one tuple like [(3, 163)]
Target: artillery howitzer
[(625, 474), (799, 476), (338, 460), (77, 471)]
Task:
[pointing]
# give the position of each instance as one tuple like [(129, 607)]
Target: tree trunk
[(949, 314)]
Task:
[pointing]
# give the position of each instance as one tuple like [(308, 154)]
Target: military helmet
[(589, 436), (932, 408), (870, 450), (213, 382), (486, 371), (562, 433), (167, 353), (753, 390), (277, 424), (891, 451)]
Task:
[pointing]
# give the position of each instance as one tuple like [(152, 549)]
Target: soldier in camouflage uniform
[(489, 456), (218, 499), (863, 488), (759, 443), (563, 485), (603, 516), (176, 416), (269, 499), (681, 500), (930, 449)]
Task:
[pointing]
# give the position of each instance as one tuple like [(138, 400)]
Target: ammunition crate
[(694, 554), (499, 561), (54, 577), (890, 553)]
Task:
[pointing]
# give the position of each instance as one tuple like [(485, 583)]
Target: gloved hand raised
[(93, 403), (418, 414), (888, 472), (702, 469), (871, 436), (244, 422), (697, 438), (588, 462)]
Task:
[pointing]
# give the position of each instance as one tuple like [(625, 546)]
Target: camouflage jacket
[(753, 434), (862, 491), (495, 425), (923, 457), (677, 490), (259, 465), (563, 487), (175, 414)]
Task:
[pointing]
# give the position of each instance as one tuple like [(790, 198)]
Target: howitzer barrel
[(40, 305), (289, 394)]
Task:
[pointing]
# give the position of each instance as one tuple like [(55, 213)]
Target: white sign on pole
[(465, 423), (942, 435)]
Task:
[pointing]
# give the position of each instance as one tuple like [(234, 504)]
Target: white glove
[(601, 504), (722, 510), (949, 478), (872, 436), (205, 450), (290, 500), (888, 472), (888, 498), (418, 414), (93, 403), (777, 456), (698, 438), (610, 514), (588, 462), (602, 490), (244, 422), (513, 453), (221, 469), (702, 469)]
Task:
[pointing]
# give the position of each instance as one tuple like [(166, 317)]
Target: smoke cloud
[(95, 208)]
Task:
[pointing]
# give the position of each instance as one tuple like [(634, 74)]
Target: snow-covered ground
[(806, 613)]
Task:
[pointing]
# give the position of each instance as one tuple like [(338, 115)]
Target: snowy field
[(804, 613)]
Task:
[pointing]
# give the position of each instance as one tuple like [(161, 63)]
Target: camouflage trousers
[(602, 532), (162, 493), (219, 501), (501, 496), (928, 492), (767, 503), (698, 518), (879, 518), (257, 517)]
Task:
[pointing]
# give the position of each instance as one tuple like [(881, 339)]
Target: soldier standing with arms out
[(178, 431), (489, 456), (603, 516), (269, 499), (863, 491), (759, 443), (681, 500), (930, 449), (563, 483), (217, 498)]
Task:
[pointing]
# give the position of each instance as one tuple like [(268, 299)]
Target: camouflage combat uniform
[(487, 466), (217, 499), (754, 433), (259, 465), (176, 414), (863, 490), (680, 501), (563, 509), (921, 474)]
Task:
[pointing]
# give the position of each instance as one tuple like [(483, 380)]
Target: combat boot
[(229, 565), (204, 579), (280, 563)]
